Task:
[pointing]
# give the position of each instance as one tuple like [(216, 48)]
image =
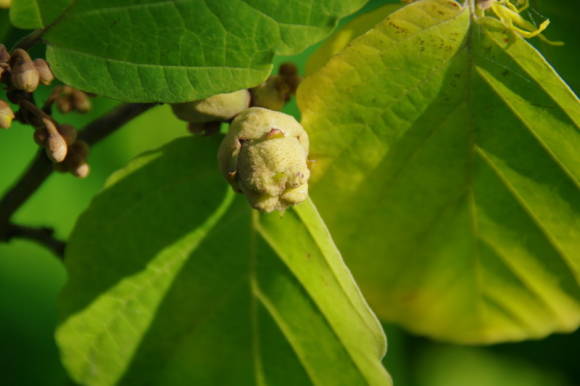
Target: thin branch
[(42, 235), (41, 168)]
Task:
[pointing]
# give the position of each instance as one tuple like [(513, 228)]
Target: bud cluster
[(21, 72), (69, 99), (22, 75)]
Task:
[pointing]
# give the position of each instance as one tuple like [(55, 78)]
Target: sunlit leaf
[(175, 51), (173, 281), (447, 168)]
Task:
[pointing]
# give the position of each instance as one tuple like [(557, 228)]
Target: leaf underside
[(173, 281), (175, 51), (447, 169)]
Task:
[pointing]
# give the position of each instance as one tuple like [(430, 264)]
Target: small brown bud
[(55, 145), (68, 132), (80, 101), (45, 73), (4, 54), (288, 69), (64, 104), (24, 75), (6, 115), (81, 171), (40, 136), (76, 160)]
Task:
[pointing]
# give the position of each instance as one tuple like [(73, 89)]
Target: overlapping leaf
[(173, 281), (175, 51), (447, 168)]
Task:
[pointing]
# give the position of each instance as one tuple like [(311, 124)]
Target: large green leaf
[(447, 168), (173, 281), (175, 51), (31, 14)]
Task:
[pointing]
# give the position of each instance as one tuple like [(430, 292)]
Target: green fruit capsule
[(264, 156), (221, 107)]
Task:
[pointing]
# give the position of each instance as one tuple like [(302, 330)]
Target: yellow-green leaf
[(447, 168), (174, 281)]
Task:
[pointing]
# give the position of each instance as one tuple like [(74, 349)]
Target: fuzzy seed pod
[(6, 115), (44, 72), (221, 107), (264, 156), (24, 75)]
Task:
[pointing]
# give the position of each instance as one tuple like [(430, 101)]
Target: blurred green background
[(31, 278)]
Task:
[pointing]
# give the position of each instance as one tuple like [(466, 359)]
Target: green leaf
[(447, 169), (341, 38), (173, 280), (176, 51), (32, 14)]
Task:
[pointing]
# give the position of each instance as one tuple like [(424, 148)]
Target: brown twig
[(41, 168), (42, 235)]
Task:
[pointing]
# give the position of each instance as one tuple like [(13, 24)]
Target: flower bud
[(80, 101), (221, 107), (68, 132), (275, 92), (24, 75), (6, 115), (76, 160), (55, 144), (44, 72), (4, 54), (264, 156), (288, 70)]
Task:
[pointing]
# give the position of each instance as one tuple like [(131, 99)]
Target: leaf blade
[(419, 178), (203, 290)]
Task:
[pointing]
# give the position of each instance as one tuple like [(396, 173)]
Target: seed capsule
[(24, 75), (264, 156), (6, 115), (221, 107), (44, 72)]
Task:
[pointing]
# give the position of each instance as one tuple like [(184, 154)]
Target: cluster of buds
[(24, 73), (68, 99), (62, 147), (277, 90)]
